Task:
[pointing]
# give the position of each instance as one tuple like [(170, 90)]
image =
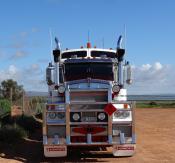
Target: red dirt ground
[(155, 129)]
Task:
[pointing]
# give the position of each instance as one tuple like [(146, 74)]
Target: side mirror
[(50, 74), (128, 74)]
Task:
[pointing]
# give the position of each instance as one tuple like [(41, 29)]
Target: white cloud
[(23, 34), (35, 66), (20, 40), (145, 67), (150, 79), (17, 45), (158, 66), (11, 72), (34, 30), (12, 69), (19, 54), (32, 77)]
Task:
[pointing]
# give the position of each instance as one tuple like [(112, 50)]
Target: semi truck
[(87, 102)]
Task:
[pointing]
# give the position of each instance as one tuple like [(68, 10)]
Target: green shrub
[(7, 120), (152, 103), (5, 107), (12, 133), (39, 116), (28, 123)]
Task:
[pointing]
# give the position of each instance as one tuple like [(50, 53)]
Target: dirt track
[(155, 130)]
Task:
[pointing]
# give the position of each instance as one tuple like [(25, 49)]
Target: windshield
[(103, 53), (76, 71), (74, 53)]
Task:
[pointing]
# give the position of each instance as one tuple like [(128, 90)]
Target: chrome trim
[(90, 110), (45, 142), (56, 139), (85, 81), (133, 139), (88, 123), (89, 138), (122, 122), (55, 124), (88, 90), (110, 139), (122, 138), (56, 111), (87, 102), (110, 95), (68, 140), (67, 95)]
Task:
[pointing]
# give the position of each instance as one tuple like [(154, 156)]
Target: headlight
[(121, 114), (52, 115), (61, 115), (76, 116), (101, 116), (61, 89), (116, 88)]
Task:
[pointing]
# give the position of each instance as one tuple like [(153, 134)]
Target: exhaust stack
[(128, 73), (56, 54), (120, 55)]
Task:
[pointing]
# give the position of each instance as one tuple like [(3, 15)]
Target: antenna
[(88, 36), (124, 36), (51, 48)]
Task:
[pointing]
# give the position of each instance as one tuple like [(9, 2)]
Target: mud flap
[(124, 150), (55, 151)]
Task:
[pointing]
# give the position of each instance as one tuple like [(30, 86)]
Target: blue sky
[(150, 31)]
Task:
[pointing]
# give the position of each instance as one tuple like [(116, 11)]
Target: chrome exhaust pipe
[(120, 55), (56, 54), (119, 42)]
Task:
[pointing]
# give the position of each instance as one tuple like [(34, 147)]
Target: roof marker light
[(88, 45)]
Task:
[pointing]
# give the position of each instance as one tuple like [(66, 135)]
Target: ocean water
[(151, 97)]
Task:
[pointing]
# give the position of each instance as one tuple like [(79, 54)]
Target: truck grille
[(89, 117), (89, 96)]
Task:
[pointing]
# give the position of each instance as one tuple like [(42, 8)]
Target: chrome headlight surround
[(61, 115), (61, 89), (52, 115), (102, 117), (116, 88), (121, 114), (75, 117)]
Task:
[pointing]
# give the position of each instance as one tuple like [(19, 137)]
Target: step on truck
[(87, 101)]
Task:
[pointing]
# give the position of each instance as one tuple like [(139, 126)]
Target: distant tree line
[(11, 90)]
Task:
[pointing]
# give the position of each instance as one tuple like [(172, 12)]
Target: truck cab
[(87, 102)]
